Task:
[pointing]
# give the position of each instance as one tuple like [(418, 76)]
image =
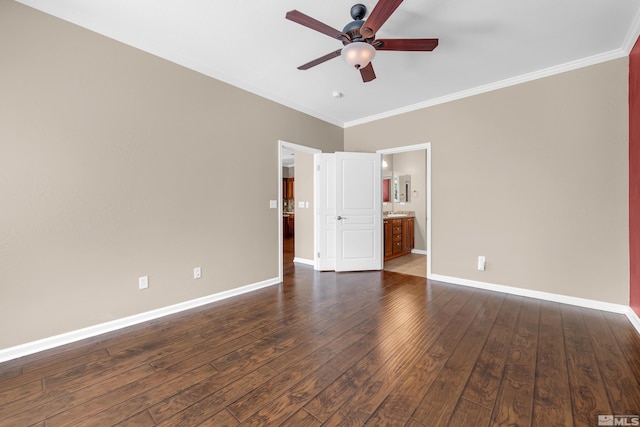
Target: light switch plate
[(273, 204), (482, 263), (143, 282), (301, 204)]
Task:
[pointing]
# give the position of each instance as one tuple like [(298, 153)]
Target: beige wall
[(304, 216), (534, 177), (112, 163)]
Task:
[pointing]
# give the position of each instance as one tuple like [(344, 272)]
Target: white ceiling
[(249, 43), (287, 157)]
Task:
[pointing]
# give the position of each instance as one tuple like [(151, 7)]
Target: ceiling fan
[(358, 37)]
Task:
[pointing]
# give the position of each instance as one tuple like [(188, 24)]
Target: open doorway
[(287, 158), (295, 204), (407, 209)]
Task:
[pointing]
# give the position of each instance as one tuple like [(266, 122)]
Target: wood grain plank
[(484, 382), (205, 406), (367, 343), (514, 402), (211, 349), (365, 320), (151, 396), (54, 402), (56, 366), (441, 399), (449, 327), (320, 316), (9, 369), (258, 352), (588, 395), (301, 419), (376, 388), (126, 401), (141, 419), (98, 371), (552, 398), (468, 413), (293, 400), (197, 391), (622, 387), (331, 399), (251, 403), (29, 391), (68, 405), (628, 340), (221, 419), (289, 364)]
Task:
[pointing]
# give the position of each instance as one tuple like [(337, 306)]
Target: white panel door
[(349, 211), (358, 204), (325, 166)]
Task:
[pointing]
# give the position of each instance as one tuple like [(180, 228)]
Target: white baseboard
[(91, 331), (304, 261), (634, 319), (547, 296), (418, 251)]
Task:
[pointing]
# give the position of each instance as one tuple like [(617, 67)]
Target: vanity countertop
[(398, 214)]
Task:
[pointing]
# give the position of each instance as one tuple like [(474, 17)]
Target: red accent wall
[(634, 176), (386, 186)]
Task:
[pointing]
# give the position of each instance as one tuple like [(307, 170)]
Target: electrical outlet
[(197, 273), (143, 282), (482, 263)]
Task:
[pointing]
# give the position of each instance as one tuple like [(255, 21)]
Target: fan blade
[(379, 15), (367, 73), (320, 60), (314, 24), (407, 45)]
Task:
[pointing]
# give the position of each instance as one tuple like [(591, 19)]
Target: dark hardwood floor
[(373, 348)]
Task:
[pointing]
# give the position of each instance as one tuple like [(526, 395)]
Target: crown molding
[(632, 35), (547, 72)]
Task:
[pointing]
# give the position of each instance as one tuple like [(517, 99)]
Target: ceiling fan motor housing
[(352, 29), (358, 11)]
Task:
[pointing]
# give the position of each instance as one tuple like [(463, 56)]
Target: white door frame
[(427, 147), (295, 147)]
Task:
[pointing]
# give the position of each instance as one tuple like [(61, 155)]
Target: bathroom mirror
[(402, 188)]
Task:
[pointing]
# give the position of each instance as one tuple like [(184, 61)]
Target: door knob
[(341, 217)]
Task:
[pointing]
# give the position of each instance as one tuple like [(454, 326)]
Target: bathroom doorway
[(408, 171)]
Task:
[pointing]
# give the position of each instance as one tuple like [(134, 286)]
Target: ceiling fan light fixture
[(358, 54)]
